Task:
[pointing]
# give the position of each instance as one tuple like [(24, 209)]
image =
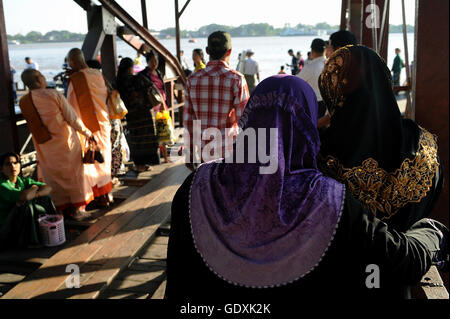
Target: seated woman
[(294, 233), (389, 164), (22, 200)]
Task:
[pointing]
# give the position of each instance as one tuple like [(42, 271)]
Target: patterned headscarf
[(263, 230)]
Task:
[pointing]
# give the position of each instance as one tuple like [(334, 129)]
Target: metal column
[(431, 66), (144, 14), (8, 129)]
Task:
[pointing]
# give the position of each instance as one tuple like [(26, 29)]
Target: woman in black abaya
[(389, 164)]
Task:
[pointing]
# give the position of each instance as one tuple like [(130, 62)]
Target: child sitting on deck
[(22, 200)]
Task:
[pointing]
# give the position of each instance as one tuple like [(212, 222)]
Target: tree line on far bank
[(245, 30)]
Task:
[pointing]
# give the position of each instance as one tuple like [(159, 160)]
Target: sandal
[(143, 168), (81, 216)]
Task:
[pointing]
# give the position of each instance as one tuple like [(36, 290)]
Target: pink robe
[(98, 173), (59, 159)]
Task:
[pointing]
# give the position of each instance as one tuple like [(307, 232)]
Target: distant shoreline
[(169, 38)]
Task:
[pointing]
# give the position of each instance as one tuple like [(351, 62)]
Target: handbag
[(89, 155), (116, 107), (164, 128), (154, 96), (92, 153)]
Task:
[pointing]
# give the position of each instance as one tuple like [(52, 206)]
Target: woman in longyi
[(53, 124)]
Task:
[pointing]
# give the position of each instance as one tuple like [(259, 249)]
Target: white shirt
[(311, 72), (184, 63), (32, 65), (251, 67)]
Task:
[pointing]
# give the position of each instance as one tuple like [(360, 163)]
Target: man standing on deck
[(184, 64), (87, 93), (312, 70), (294, 64), (251, 71), (215, 95), (341, 39), (397, 68), (31, 64)]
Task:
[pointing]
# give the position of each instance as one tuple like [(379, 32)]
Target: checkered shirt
[(212, 95)]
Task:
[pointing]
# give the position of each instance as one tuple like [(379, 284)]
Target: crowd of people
[(353, 186), (80, 143), (352, 196)]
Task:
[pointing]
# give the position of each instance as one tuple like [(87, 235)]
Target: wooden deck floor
[(115, 239), (109, 245)]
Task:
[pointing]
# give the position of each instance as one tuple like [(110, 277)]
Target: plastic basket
[(51, 228)]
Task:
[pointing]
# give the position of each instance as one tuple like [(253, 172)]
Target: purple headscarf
[(259, 230)]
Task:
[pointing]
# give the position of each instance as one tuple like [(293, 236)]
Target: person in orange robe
[(87, 93), (53, 125)]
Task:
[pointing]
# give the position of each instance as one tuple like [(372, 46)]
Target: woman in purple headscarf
[(238, 233)]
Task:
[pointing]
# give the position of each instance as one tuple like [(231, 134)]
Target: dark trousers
[(396, 78), (20, 227)]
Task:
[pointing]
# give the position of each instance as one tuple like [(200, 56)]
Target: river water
[(270, 52)]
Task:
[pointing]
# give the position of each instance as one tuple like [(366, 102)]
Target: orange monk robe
[(60, 158), (99, 173)]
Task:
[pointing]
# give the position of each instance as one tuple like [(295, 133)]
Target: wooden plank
[(28, 256), (9, 278), (431, 286), (134, 286), (120, 249), (53, 273), (159, 293), (103, 239), (131, 244), (161, 240), (123, 191), (158, 252), (143, 276), (147, 265), (4, 288), (116, 213), (121, 294)]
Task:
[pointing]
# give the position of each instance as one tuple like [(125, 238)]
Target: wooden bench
[(109, 245)]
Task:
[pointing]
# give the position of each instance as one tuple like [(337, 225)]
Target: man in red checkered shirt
[(216, 96)]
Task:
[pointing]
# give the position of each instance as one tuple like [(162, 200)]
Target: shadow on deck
[(101, 251)]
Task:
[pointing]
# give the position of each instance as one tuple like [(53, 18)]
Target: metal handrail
[(115, 9)]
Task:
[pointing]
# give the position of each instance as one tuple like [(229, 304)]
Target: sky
[(23, 16)]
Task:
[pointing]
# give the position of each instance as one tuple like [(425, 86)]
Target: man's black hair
[(94, 64), (219, 43), (342, 38), (150, 55), (318, 45)]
